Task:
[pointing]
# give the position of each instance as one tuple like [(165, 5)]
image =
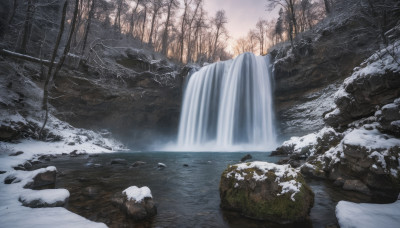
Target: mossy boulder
[(266, 191)]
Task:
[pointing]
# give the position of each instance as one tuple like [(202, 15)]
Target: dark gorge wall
[(307, 77), (137, 105)]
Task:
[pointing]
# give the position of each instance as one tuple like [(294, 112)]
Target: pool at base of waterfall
[(185, 189)]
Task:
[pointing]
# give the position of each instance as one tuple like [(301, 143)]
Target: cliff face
[(141, 101), (307, 77)]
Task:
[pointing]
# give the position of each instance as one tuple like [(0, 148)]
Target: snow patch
[(49, 196), (365, 215), (137, 194), (280, 171)]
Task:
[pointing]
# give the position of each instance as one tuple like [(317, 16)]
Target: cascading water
[(228, 106)]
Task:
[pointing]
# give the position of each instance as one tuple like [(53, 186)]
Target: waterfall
[(229, 106)]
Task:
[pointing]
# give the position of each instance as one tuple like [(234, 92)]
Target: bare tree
[(279, 27), (186, 4), (144, 15), (88, 23), (219, 22), (289, 6), (30, 11), (53, 57), (156, 5), (189, 27), (260, 34), (171, 6), (117, 19), (14, 9), (132, 19)]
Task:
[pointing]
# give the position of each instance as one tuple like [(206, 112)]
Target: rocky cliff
[(307, 76), (133, 93), (360, 148)]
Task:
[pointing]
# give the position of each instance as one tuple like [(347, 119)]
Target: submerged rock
[(118, 161), (245, 158), (138, 163), (76, 153), (356, 185), (136, 202), (16, 153), (266, 191)]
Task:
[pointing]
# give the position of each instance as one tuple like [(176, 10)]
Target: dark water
[(185, 196)]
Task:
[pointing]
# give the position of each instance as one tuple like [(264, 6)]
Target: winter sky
[(242, 14)]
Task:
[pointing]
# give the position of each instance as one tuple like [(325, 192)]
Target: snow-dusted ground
[(12, 213), (365, 215), (20, 110)]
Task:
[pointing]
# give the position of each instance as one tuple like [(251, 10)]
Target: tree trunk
[(24, 57), (165, 34), (53, 57), (15, 5), (68, 44), (189, 49), (144, 23), (153, 20), (132, 22), (215, 44), (293, 16), (89, 21), (183, 32), (327, 7), (27, 27)]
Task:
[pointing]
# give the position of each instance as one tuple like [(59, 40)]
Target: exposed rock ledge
[(360, 151)]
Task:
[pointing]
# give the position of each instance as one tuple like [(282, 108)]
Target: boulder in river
[(136, 202), (44, 177), (266, 191)]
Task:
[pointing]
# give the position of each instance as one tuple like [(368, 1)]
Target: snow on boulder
[(136, 202), (137, 194), (365, 215), (42, 177), (44, 198), (375, 82), (300, 147), (266, 191)]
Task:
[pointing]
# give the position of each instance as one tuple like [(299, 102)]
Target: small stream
[(186, 196)]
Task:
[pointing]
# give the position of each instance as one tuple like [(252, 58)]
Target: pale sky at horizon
[(242, 14)]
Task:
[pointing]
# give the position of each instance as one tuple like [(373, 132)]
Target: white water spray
[(228, 106)]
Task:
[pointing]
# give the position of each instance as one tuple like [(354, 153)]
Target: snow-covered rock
[(266, 191), (305, 146), (376, 82), (44, 198), (360, 153), (137, 194), (136, 202)]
